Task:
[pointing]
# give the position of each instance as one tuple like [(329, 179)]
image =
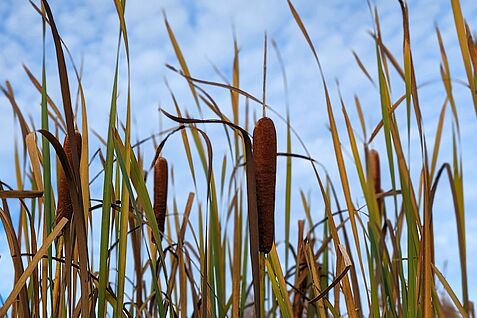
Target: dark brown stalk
[(300, 274), (265, 159)]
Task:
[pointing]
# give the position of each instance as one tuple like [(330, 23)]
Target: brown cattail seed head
[(375, 170), (375, 174), (160, 192), (265, 159), (65, 207)]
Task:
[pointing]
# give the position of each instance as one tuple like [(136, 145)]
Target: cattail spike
[(265, 159), (375, 174), (160, 192), (65, 206), (375, 170)]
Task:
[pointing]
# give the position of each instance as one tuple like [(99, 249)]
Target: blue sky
[(204, 30)]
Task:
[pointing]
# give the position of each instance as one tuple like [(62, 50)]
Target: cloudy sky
[(205, 31)]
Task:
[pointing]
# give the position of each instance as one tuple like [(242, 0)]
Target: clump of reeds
[(265, 159), (160, 192), (65, 207)]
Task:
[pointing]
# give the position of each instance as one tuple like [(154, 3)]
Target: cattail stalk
[(265, 159), (160, 192), (65, 206)]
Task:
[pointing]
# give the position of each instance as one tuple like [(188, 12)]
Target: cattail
[(375, 170), (265, 159), (375, 174), (160, 192), (65, 207)]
